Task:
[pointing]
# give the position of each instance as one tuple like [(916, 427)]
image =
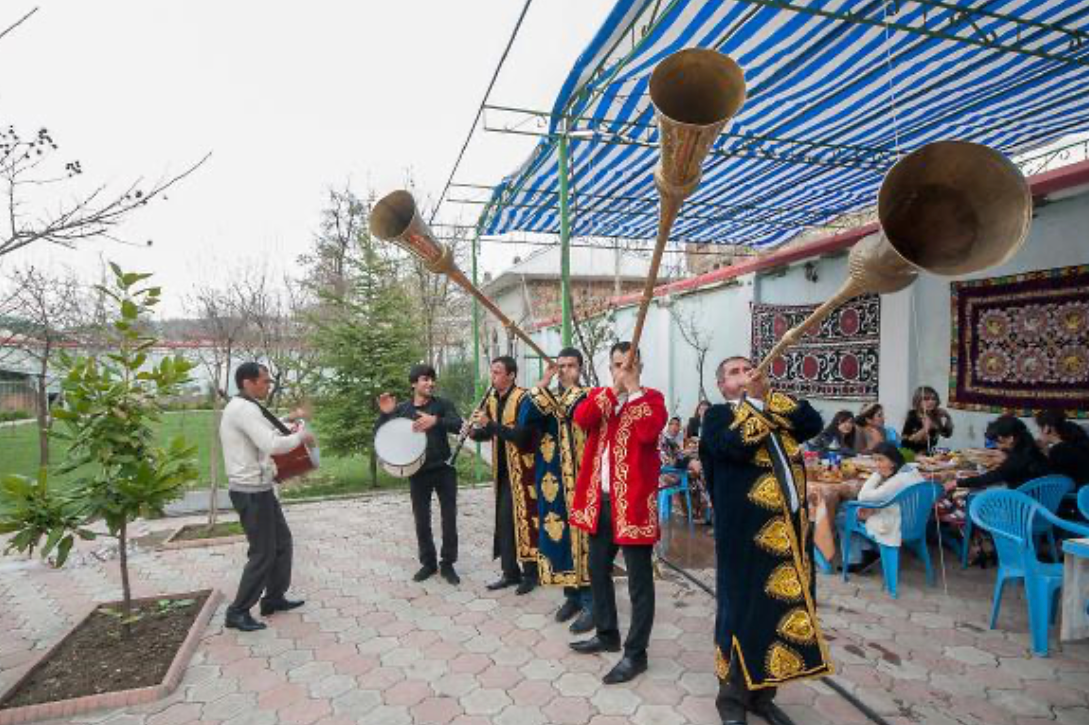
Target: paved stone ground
[(370, 646)]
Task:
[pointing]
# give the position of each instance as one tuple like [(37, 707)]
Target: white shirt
[(249, 441), (606, 465)]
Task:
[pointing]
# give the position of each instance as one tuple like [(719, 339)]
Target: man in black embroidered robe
[(766, 629), (563, 551)]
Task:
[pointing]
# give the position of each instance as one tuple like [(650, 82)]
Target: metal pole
[(565, 245), (477, 382)]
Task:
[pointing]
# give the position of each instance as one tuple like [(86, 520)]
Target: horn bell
[(395, 218), (695, 92), (955, 207)]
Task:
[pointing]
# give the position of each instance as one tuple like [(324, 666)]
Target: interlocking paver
[(372, 646)]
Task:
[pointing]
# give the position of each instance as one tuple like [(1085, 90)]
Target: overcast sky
[(290, 98)]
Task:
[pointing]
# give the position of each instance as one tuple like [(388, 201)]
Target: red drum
[(296, 462)]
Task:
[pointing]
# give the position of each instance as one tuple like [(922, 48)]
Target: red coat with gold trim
[(631, 435)]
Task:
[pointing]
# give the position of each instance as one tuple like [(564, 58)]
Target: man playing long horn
[(766, 629), (616, 503), (516, 522), (563, 550)]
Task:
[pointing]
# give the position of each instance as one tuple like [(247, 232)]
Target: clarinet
[(464, 434)]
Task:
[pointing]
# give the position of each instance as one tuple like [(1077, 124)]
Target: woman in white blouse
[(891, 477)]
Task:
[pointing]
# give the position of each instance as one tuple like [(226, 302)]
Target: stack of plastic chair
[(665, 493), (1010, 517), (916, 503)]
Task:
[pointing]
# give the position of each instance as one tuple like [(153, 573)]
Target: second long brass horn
[(949, 208), (694, 92), (396, 219)]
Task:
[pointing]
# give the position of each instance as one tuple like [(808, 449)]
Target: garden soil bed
[(194, 535), (95, 666)]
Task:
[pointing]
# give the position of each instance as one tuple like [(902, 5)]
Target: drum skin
[(400, 449)]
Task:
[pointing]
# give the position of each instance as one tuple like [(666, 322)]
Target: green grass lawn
[(19, 454)]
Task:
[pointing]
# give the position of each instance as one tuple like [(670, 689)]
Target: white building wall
[(915, 323)]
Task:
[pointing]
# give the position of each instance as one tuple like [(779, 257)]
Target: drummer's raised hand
[(386, 403), (424, 422), (550, 372)]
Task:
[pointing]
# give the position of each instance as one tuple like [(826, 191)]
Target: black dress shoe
[(271, 606), (584, 623), (526, 586), (447, 572), (596, 644), (502, 583), (625, 670), (426, 572), (243, 621), (569, 609)]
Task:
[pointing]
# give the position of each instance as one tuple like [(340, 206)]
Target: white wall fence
[(915, 323)]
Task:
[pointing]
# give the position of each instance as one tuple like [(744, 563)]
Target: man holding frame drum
[(436, 417)]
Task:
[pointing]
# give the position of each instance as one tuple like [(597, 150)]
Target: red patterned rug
[(1021, 343), (837, 359)]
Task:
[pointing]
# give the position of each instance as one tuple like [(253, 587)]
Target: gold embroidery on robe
[(784, 583), (782, 662), (722, 664), (550, 486), (774, 537), (548, 448), (766, 493), (781, 403), (553, 526), (797, 626)]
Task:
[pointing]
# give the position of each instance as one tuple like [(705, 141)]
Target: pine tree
[(367, 341)]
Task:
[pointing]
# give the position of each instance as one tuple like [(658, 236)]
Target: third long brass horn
[(949, 207), (396, 219), (694, 92)]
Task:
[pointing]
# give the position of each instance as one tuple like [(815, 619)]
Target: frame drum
[(400, 449)]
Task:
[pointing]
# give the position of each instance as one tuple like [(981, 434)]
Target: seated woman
[(1066, 444), (1023, 462), (926, 423), (696, 421), (674, 455), (892, 476), (870, 428), (838, 437)]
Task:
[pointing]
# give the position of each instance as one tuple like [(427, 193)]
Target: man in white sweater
[(250, 435)]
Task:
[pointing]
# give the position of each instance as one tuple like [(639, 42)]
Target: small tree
[(111, 405), (697, 338)]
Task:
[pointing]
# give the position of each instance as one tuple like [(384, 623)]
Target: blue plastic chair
[(1010, 517), (1083, 501), (665, 493), (1048, 491), (916, 503)]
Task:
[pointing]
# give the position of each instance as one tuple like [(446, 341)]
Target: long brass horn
[(396, 219), (949, 207), (694, 92)]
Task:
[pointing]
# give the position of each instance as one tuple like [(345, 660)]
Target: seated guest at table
[(892, 476), (838, 437), (926, 422), (673, 453), (1024, 461), (1066, 445), (694, 423), (870, 428)]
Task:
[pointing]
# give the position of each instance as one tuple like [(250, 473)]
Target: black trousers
[(444, 483), (637, 559), (268, 567), (734, 696), (505, 539)]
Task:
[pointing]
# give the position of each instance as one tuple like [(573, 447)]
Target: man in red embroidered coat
[(616, 502)]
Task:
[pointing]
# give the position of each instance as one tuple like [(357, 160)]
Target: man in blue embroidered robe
[(766, 629), (563, 551)]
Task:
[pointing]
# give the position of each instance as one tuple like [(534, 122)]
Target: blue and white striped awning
[(836, 90)]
